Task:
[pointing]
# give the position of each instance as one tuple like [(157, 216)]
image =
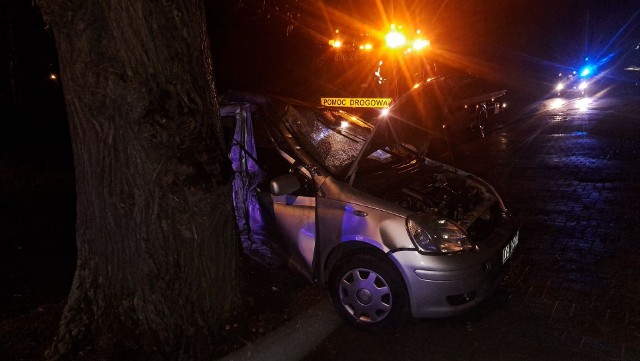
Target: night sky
[(33, 125)]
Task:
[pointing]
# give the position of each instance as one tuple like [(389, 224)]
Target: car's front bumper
[(447, 285)]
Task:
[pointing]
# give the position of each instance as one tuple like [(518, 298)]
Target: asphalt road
[(570, 171)]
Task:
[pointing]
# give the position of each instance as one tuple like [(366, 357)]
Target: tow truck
[(376, 71)]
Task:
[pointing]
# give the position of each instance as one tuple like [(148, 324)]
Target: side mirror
[(284, 184)]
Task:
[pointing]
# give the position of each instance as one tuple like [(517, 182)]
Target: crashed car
[(352, 206)]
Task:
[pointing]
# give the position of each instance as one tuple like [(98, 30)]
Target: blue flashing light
[(587, 71)]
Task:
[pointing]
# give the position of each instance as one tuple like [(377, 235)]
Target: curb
[(295, 339)]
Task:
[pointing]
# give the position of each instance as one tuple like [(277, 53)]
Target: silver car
[(356, 207)]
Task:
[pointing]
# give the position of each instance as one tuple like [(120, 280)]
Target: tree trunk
[(155, 234)]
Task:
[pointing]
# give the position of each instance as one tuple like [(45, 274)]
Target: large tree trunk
[(155, 233)]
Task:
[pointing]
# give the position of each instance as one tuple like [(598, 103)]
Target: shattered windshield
[(335, 138)]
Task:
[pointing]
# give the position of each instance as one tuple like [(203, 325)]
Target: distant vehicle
[(397, 64), (572, 85), (365, 63), (353, 206), (577, 83)]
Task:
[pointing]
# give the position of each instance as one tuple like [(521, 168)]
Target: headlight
[(560, 86), (436, 234), (583, 85)]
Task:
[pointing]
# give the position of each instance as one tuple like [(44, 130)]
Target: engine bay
[(432, 190), (447, 196)]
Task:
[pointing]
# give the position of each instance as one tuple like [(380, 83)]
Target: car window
[(332, 138)]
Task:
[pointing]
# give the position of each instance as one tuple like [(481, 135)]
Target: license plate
[(507, 251)]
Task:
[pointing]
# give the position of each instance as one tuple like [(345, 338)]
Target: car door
[(284, 222), (292, 221)]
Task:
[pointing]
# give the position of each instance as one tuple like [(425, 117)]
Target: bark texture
[(155, 233)]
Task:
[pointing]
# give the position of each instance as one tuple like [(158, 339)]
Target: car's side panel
[(295, 217), (347, 215), (291, 221)]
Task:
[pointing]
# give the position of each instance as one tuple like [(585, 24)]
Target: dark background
[(281, 47), (521, 43)]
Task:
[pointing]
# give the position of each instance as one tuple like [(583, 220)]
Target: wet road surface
[(570, 171)]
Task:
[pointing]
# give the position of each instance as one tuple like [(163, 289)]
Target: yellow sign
[(356, 102)]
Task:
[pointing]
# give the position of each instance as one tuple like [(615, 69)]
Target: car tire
[(369, 292)]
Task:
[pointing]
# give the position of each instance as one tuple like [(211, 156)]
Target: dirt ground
[(37, 262)]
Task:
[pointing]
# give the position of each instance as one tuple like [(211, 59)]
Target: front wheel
[(369, 292)]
